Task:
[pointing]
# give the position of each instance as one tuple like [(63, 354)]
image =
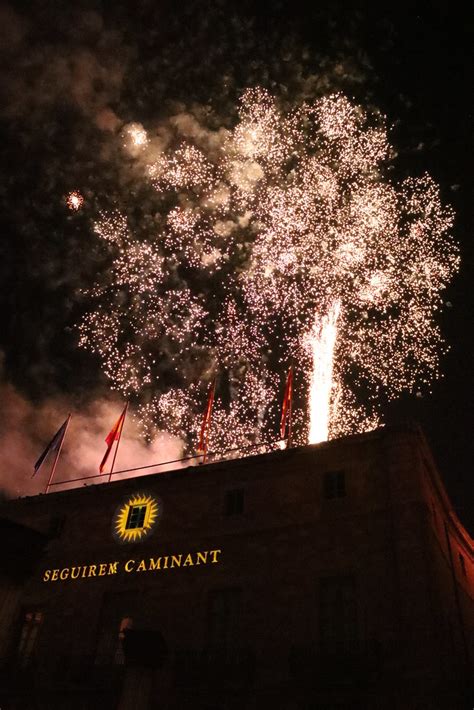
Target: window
[(115, 619), (338, 631), (30, 626), (234, 502), (56, 525), (136, 517), (224, 618), (462, 564), (334, 484)]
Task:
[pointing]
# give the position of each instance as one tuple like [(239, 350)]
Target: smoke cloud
[(83, 64), (26, 429), (76, 79)]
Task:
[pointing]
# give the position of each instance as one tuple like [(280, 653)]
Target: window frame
[(338, 614), (117, 607), (334, 484), (234, 502), (141, 516), (224, 617), (28, 634)]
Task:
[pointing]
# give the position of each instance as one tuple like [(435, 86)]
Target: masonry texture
[(328, 576)]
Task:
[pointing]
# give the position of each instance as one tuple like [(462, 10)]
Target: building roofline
[(456, 526), (183, 471), (192, 470)]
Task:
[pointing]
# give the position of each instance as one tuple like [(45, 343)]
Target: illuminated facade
[(328, 576)]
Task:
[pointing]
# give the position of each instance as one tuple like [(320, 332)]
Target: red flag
[(202, 448), (114, 435), (287, 405)]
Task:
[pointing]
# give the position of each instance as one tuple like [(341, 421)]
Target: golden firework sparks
[(74, 200), (332, 262)]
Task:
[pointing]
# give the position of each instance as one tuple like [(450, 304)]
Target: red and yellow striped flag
[(114, 435), (206, 422)]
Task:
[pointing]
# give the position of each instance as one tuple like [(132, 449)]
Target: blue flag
[(53, 445)]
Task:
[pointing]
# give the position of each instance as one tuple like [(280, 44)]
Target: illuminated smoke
[(287, 217), (75, 200), (135, 137), (26, 428)]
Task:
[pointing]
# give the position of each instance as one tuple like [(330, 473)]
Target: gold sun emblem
[(135, 519)]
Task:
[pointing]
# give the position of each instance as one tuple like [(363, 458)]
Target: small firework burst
[(75, 200), (136, 135)]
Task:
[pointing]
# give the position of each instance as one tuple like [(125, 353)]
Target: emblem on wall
[(136, 518)]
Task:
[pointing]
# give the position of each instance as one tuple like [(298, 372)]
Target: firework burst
[(74, 200), (286, 241)]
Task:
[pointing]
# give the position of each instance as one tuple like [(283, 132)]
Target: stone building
[(327, 576)]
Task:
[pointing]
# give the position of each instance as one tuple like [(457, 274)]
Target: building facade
[(328, 576)]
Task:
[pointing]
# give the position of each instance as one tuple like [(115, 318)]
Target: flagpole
[(205, 427), (208, 423), (290, 413), (118, 443), (58, 452), (206, 442)]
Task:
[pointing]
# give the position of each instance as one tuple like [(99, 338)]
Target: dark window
[(463, 564), (116, 617), (136, 517), (334, 484), (224, 618), (234, 502), (338, 615), (56, 525), (30, 626)]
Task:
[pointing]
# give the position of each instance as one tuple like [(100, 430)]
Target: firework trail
[(281, 238)]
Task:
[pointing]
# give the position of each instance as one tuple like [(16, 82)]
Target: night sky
[(74, 75)]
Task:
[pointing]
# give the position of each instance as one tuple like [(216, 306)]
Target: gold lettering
[(151, 564), (176, 560), (126, 565), (202, 557), (214, 554)]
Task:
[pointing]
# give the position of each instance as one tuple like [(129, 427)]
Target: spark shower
[(279, 241)]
